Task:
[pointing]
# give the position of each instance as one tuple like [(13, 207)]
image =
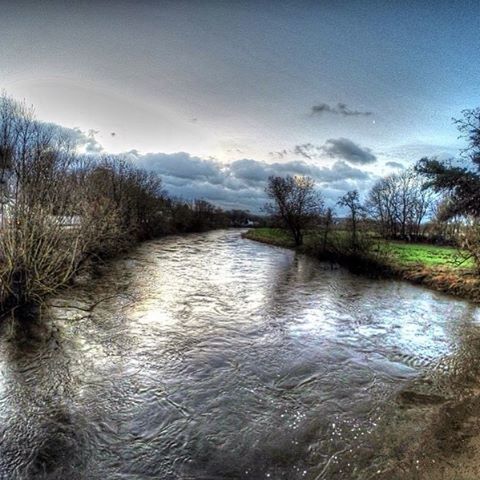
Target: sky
[(217, 95)]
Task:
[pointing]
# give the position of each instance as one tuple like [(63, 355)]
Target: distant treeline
[(434, 201), (59, 209)]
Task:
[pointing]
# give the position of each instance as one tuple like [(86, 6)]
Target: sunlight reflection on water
[(214, 357)]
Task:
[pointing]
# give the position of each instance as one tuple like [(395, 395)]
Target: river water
[(214, 357)]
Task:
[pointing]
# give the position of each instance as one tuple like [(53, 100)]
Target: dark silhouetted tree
[(461, 183), (400, 203), (351, 201), (295, 203)]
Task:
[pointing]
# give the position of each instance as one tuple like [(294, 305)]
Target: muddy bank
[(447, 448), (463, 283)]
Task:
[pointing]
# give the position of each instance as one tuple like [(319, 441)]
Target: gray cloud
[(249, 170), (307, 150), (345, 149), (340, 109), (395, 165), (241, 183), (340, 148), (181, 165), (279, 154), (323, 108)]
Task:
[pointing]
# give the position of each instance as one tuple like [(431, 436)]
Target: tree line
[(434, 201), (59, 209), (395, 207)]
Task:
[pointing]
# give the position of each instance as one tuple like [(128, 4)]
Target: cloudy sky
[(217, 95)]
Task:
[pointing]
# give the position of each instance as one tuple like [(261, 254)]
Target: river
[(209, 356)]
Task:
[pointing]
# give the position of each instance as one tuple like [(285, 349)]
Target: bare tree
[(38, 254), (60, 209), (400, 203), (295, 203), (327, 226), (351, 201)]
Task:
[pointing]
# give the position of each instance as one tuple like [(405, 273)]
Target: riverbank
[(438, 268), (30, 298), (440, 439)]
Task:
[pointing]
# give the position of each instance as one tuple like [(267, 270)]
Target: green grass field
[(274, 236), (400, 253), (427, 255)]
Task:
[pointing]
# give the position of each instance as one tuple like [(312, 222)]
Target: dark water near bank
[(213, 357)]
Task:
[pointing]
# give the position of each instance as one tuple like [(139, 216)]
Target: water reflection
[(213, 357)]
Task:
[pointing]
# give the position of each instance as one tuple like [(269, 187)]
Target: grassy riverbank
[(437, 267)]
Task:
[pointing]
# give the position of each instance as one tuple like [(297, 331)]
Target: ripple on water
[(212, 357)]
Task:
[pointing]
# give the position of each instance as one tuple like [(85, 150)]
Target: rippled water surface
[(213, 357)]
